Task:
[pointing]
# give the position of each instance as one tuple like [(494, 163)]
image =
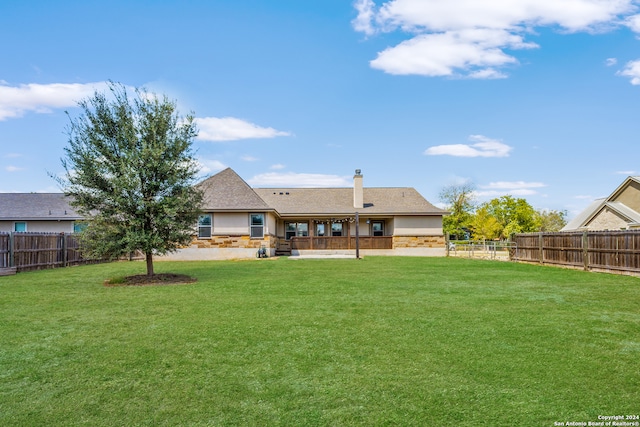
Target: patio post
[(357, 235)]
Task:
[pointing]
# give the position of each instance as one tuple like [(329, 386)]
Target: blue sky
[(534, 98)]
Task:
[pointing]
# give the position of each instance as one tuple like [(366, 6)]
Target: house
[(238, 220), (621, 210), (37, 212)]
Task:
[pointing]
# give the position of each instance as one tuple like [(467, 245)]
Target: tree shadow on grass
[(155, 280)]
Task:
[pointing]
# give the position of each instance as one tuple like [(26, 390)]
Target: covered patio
[(341, 242)]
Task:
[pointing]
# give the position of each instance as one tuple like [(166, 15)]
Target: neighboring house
[(238, 220), (37, 212), (621, 210)]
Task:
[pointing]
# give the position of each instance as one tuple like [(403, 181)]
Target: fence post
[(585, 250), (540, 248), (12, 261), (65, 260)]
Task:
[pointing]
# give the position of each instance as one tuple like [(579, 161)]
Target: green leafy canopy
[(130, 170)]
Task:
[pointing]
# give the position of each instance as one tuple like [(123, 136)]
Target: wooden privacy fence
[(617, 251), (35, 251)]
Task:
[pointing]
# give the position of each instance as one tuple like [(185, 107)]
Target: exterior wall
[(417, 226), (412, 236), (630, 196), (41, 226), (365, 229), (232, 223), (223, 247), (232, 242), (607, 219), (404, 242), (271, 224), (237, 223)]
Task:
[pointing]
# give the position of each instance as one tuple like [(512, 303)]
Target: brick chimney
[(358, 192)]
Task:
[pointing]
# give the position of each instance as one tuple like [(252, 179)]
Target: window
[(296, 229), (377, 228), (256, 222), (204, 226), (336, 229), (79, 227), (20, 226), (320, 230)]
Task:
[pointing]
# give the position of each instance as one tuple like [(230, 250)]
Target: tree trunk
[(149, 257)]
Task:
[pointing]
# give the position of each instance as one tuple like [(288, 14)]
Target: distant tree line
[(496, 219)]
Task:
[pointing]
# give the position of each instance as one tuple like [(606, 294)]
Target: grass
[(340, 342)]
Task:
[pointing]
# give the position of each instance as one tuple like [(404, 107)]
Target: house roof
[(36, 206), (622, 186), (583, 216), (227, 191), (631, 216), (338, 201)]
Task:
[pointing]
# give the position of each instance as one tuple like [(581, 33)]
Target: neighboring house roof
[(631, 215), (598, 206), (36, 206), (227, 191), (310, 201), (583, 217), (630, 180)]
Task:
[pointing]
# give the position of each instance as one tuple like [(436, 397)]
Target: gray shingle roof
[(227, 191), (36, 206), (632, 216), (582, 217), (337, 201)]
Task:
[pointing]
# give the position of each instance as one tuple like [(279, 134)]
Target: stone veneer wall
[(226, 242), (418, 242)]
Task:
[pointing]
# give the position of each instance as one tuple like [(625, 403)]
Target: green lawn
[(339, 342)]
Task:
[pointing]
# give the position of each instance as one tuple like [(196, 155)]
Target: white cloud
[(362, 22), (291, 179), (231, 129), (632, 70), (498, 193), (609, 62), (278, 166), (15, 101), (209, 166), (469, 37), (13, 169), (484, 147), (510, 185), (627, 173), (633, 22), (513, 188), (478, 51), (249, 158)]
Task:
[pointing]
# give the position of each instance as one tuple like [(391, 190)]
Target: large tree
[(460, 202), (130, 170), (484, 224), (552, 220), (512, 215)]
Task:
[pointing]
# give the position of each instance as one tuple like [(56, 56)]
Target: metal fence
[(35, 251), (485, 250), (614, 251)]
